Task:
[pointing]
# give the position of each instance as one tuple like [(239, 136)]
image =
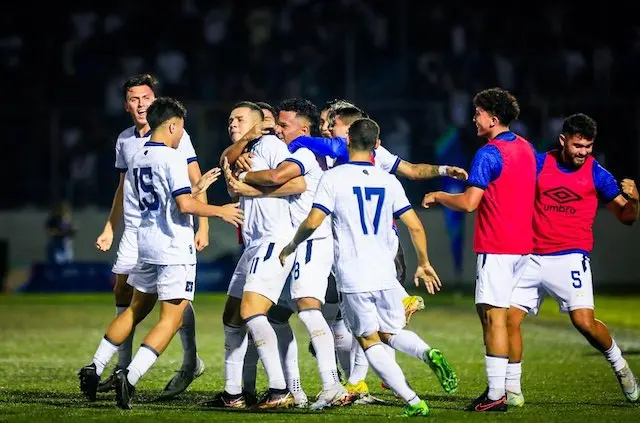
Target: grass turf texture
[(45, 339)]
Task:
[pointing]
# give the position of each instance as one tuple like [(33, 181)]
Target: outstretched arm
[(421, 171)]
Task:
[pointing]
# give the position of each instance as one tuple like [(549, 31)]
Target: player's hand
[(202, 239), (630, 189), (104, 241), (427, 274), (231, 213), (457, 173), (429, 199), (286, 252), (206, 180), (243, 164)]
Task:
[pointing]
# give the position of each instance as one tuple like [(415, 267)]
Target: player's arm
[(626, 207), (287, 170), (230, 213), (105, 239), (468, 201), (293, 186), (234, 151), (202, 235), (311, 223), (421, 171), (333, 147)]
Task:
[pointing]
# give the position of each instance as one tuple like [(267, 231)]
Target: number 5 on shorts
[(575, 275)]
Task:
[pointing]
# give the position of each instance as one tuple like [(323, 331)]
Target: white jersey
[(127, 145), (301, 203), (156, 176), (386, 161), (266, 219), (363, 201)]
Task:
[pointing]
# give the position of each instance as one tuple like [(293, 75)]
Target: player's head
[(270, 114), (166, 118), (496, 108), (139, 92), (342, 118), (326, 111), (578, 134), (297, 117), (363, 136), (244, 116)]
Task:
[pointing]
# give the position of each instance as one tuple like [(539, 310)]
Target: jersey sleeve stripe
[(395, 165), (180, 191), (401, 211), (321, 208), (298, 162), (192, 159)]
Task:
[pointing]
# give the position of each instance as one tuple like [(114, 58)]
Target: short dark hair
[(302, 107), (499, 103), (269, 107), (349, 114), (581, 125), (249, 105), (363, 134), (139, 80), (163, 109), (336, 103)]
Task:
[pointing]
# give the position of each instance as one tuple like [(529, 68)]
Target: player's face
[(240, 121), (138, 101), (269, 118), (575, 149), (339, 128), (324, 123), (484, 122), (290, 126)]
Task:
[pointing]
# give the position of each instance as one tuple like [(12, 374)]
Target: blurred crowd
[(413, 65)]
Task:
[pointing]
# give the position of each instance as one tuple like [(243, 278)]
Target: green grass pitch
[(45, 339)]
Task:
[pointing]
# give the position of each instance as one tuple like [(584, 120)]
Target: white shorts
[(127, 257), (311, 269), (567, 278), (259, 270), (497, 276), (170, 282), (376, 311)]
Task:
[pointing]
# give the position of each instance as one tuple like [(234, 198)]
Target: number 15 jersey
[(157, 175), (363, 202)]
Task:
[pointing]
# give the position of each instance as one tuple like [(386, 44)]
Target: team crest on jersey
[(365, 171), (562, 196)]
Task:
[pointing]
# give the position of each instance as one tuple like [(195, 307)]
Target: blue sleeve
[(606, 185), (332, 147), (485, 167), (540, 162)]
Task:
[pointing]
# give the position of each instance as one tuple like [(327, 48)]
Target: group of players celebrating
[(317, 220)]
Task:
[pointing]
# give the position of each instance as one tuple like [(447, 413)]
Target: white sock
[(267, 344), (359, 363), (188, 338), (496, 374), (390, 373), (322, 341), (141, 363), (343, 341), (250, 368), (390, 350), (235, 348), (409, 343), (103, 354), (614, 357), (514, 373), (125, 350), (288, 348)]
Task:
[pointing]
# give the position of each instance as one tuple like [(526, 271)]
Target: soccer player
[(570, 182), (270, 114), (139, 94), (258, 278), (157, 185), (313, 261), (502, 188), (363, 202)]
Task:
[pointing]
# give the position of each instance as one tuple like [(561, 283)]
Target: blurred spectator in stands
[(61, 231)]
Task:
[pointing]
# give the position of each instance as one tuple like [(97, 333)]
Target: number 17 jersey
[(157, 175), (363, 202)]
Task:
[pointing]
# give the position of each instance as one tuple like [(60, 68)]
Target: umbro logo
[(562, 195)]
